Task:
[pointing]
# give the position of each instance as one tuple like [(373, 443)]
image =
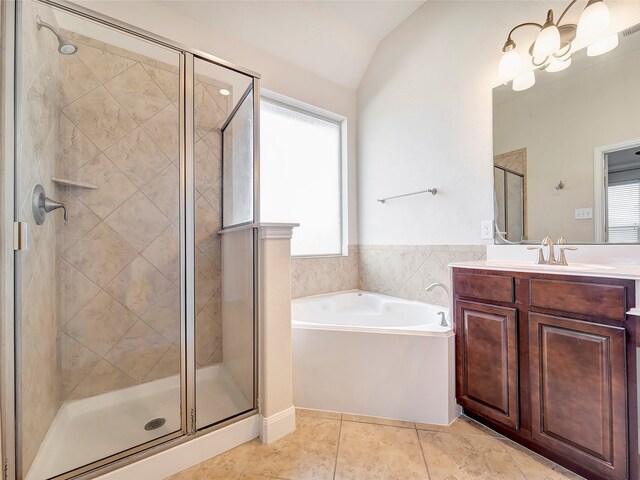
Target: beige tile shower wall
[(314, 276), (406, 270), (119, 265), (37, 330)]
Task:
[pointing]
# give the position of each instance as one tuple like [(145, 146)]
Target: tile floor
[(334, 446)]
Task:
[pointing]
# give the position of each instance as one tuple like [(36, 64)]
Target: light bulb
[(225, 92), (511, 65), (603, 46), (548, 40), (558, 65), (524, 81), (593, 21)]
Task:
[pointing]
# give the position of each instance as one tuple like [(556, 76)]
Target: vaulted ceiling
[(333, 39)]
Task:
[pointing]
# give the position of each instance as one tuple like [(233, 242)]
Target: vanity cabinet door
[(487, 361), (578, 392)]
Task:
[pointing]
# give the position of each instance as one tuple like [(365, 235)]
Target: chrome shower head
[(65, 47)]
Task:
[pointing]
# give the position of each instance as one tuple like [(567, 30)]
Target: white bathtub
[(370, 354)]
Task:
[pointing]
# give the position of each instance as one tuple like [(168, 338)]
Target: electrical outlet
[(583, 213), (486, 229)]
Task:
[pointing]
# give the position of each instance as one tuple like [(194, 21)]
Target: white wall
[(277, 75), (424, 119)]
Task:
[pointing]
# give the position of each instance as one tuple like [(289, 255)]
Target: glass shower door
[(98, 303), (224, 279)]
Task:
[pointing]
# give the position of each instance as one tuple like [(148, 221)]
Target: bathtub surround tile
[(100, 117), (378, 421), (101, 324), (136, 91), (137, 221), (379, 452), (315, 276), (406, 271), (467, 457)]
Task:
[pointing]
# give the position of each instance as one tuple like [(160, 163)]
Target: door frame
[(599, 193)]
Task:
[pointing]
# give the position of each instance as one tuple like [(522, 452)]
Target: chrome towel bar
[(432, 191)]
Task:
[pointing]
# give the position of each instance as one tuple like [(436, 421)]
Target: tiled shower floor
[(334, 446), (93, 428)]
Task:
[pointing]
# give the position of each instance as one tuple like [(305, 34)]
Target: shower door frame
[(9, 313)]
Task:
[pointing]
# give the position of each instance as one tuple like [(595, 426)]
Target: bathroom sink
[(572, 267)]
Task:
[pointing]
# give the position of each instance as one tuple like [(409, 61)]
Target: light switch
[(583, 213)]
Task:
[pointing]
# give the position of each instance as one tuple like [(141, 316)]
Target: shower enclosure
[(135, 322)]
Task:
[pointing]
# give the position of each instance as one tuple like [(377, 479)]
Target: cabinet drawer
[(495, 288), (593, 299)]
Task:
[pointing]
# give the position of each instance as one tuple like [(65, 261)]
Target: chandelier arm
[(526, 24), (565, 11)]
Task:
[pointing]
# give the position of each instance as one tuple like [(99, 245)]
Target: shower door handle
[(43, 205)]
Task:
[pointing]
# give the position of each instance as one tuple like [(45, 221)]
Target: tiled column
[(276, 385)]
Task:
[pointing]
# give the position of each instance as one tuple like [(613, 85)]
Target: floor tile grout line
[(335, 465), (424, 457), (504, 447)]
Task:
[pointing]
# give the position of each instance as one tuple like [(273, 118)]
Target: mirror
[(567, 151)]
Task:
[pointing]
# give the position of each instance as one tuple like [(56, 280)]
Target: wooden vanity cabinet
[(549, 361)]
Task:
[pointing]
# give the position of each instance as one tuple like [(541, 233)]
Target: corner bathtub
[(370, 354)]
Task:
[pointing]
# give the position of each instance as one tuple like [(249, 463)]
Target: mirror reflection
[(567, 151)]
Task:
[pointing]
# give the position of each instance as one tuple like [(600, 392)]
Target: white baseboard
[(188, 454), (278, 425)]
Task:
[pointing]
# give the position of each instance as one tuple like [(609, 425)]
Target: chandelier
[(552, 48)]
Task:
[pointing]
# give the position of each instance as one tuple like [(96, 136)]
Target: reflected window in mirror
[(623, 196)]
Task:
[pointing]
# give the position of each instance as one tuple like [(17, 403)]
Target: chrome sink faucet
[(551, 258)]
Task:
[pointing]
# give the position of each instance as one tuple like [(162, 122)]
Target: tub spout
[(443, 319)]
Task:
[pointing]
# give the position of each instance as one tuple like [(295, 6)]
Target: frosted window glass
[(300, 159)]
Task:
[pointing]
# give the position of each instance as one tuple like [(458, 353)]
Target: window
[(301, 176), (623, 212)]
